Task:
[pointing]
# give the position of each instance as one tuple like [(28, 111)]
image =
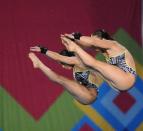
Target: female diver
[(83, 88), (119, 68)]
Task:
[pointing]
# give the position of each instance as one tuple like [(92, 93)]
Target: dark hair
[(66, 53), (101, 33)]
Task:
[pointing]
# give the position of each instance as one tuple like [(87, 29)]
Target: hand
[(70, 36), (70, 45), (35, 49), (39, 48), (35, 60)]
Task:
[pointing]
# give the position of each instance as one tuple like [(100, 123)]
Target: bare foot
[(35, 60)]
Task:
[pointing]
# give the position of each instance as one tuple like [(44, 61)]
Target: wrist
[(77, 35), (76, 48), (43, 50)]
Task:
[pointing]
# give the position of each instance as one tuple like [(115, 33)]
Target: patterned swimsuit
[(120, 62), (83, 79)]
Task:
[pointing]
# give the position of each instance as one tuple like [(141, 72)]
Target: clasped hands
[(68, 42)]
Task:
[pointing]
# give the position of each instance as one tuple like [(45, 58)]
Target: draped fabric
[(29, 101)]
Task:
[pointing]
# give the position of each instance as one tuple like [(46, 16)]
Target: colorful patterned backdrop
[(114, 110), (29, 101)]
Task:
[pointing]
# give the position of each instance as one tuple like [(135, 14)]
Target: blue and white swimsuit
[(120, 62), (83, 79)]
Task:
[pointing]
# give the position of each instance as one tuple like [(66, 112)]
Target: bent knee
[(126, 84), (90, 99)]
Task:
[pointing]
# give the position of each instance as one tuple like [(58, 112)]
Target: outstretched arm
[(86, 58), (79, 92), (56, 56), (87, 41)]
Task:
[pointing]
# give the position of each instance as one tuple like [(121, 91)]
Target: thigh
[(116, 77)]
